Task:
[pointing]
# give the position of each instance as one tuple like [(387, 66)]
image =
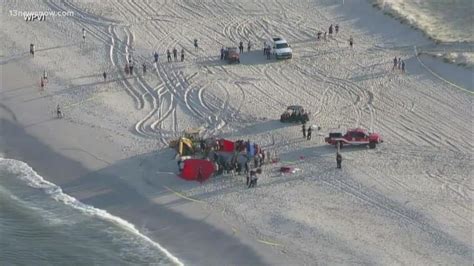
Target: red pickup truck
[(355, 136)]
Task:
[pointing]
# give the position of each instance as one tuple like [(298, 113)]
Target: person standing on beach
[(309, 133), (156, 57), (319, 35), (182, 54), (59, 114), (104, 75), (403, 66), (303, 129), (130, 66), (330, 30), (222, 53), (32, 49), (196, 44), (83, 35), (168, 53), (395, 63), (45, 75), (351, 42), (144, 68), (337, 28), (42, 84), (241, 47), (339, 160), (249, 46), (175, 54), (399, 63)]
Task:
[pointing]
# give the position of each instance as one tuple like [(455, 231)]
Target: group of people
[(175, 55), (241, 46), (241, 161), (398, 64)]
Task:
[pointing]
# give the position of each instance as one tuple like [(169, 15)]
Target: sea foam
[(34, 180)]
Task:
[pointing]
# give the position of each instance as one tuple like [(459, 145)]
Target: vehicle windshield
[(281, 45)]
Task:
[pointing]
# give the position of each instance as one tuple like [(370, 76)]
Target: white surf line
[(34, 180), (438, 76)]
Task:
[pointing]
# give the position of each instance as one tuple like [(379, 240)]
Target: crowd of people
[(398, 64)]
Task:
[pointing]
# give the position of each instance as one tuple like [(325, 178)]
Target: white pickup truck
[(281, 49)]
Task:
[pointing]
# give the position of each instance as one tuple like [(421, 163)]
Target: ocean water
[(41, 225), (443, 20)]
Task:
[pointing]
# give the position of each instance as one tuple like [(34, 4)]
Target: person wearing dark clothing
[(338, 160), (175, 54), (59, 114), (182, 55), (253, 179), (32, 49), (249, 46), (403, 66), (222, 53), (395, 62), (255, 161), (309, 133), (351, 42), (200, 176), (156, 57), (330, 30), (196, 44), (241, 47), (337, 28), (144, 68), (303, 128), (319, 35), (269, 54), (168, 53), (248, 177), (104, 75), (130, 67), (247, 167)]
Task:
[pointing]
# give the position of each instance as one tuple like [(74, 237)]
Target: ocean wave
[(441, 20), (32, 179)]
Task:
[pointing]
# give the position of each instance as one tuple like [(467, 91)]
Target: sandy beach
[(409, 201)]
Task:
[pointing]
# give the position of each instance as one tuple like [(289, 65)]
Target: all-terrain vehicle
[(294, 114), (231, 54), (356, 136)]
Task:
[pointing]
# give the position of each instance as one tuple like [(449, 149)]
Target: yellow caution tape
[(184, 196), (269, 243)]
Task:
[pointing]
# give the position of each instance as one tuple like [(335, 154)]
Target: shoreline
[(92, 174)]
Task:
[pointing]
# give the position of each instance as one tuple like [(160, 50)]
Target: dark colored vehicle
[(356, 136), (294, 114), (231, 54)]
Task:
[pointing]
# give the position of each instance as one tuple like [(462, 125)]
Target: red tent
[(226, 145), (197, 169)]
